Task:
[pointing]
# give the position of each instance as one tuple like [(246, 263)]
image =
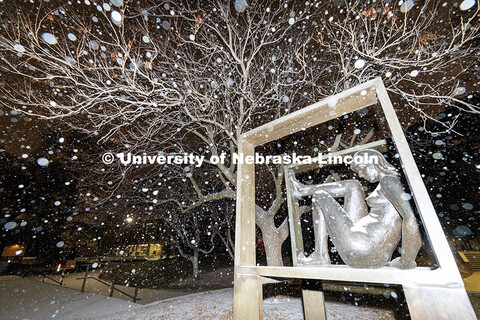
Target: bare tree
[(192, 76), (195, 234)]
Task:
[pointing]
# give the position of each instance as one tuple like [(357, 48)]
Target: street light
[(129, 219)]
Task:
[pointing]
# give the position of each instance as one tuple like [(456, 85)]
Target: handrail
[(56, 281), (112, 287)]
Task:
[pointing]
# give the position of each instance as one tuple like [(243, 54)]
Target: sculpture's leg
[(336, 218), (339, 224), (322, 202), (354, 200), (438, 303), (321, 235)]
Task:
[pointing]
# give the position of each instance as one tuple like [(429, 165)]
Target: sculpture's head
[(372, 165)]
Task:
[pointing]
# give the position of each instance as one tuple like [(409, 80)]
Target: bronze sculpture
[(363, 238)]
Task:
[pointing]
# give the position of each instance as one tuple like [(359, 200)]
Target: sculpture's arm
[(411, 239)]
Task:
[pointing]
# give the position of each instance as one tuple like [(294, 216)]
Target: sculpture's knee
[(324, 201), (354, 185), (322, 197)]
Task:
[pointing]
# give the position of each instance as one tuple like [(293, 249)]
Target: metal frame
[(430, 294)]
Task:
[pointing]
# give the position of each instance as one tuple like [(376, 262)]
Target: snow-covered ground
[(218, 304), (29, 299)]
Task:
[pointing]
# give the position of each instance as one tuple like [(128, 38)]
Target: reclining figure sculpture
[(364, 239)]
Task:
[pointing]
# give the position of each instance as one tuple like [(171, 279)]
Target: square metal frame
[(431, 293)]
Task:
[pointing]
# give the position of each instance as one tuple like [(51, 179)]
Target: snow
[(467, 4), (42, 162), (38, 300), (146, 39), (467, 206), (361, 224), (10, 225), (462, 231), (359, 64), (93, 44), (71, 36), (406, 196), (460, 90), (332, 102), (70, 60), (218, 304), (19, 48), (240, 5), (116, 17), (117, 3), (437, 155), (291, 20), (407, 6), (166, 25), (49, 38)]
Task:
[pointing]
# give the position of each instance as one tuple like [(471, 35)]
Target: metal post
[(85, 279), (135, 295), (112, 287)]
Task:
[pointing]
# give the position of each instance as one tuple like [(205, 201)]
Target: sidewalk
[(145, 295), (23, 298)]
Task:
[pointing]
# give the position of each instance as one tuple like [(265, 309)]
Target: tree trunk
[(273, 247), (273, 237), (194, 261)]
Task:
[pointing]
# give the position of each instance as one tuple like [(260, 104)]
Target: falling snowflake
[(10, 225), (19, 48), (116, 17), (407, 6), (42, 162), (359, 64), (240, 5), (467, 4), (49, 38)]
